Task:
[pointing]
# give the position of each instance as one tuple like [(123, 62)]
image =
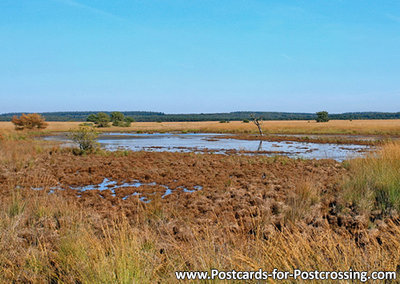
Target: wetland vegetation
[(105, 217)]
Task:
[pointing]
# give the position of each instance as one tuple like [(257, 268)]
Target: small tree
[(258, 122), (101, 119), (322, 116), (29, 121), (85, 137), (117, 118)]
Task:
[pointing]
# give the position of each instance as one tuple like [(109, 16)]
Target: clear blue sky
[(181, 56)]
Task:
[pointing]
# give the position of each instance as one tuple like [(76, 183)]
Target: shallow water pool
[(214, 143)]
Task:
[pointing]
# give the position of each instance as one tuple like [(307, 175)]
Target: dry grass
[(52, 238), (375, 181), (366, 127), (20, 149), (301, 199), (47, 238)]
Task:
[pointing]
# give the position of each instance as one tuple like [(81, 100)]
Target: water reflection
[(214, 143), (113, 187), (260, 146)]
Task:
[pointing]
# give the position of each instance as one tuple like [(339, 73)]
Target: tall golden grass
[(375, 181), (367, 127), (19, 149), (46, 238)]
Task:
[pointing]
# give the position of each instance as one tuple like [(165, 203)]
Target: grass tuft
[(375, 181)]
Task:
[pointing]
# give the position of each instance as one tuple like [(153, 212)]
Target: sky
[(193, 56)]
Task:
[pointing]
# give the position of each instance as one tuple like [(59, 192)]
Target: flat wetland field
[(137, 217), (362, 127)]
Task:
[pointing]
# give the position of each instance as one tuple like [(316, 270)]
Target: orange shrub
[(29, 121)]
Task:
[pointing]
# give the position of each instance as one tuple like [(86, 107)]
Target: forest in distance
[(148, 116)]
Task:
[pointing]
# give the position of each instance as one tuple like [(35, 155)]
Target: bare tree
[(258, 122)]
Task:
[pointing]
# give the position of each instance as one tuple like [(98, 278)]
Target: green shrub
[(85, 137)]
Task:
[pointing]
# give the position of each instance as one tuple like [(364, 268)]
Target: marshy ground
[(242, 212)]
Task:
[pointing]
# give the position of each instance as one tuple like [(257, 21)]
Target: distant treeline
[(231, 116)]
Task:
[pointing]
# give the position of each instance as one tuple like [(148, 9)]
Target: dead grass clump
[(301, 200), (17, 154), (20, 150)]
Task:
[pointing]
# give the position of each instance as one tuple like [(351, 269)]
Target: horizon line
[(182, 113)]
